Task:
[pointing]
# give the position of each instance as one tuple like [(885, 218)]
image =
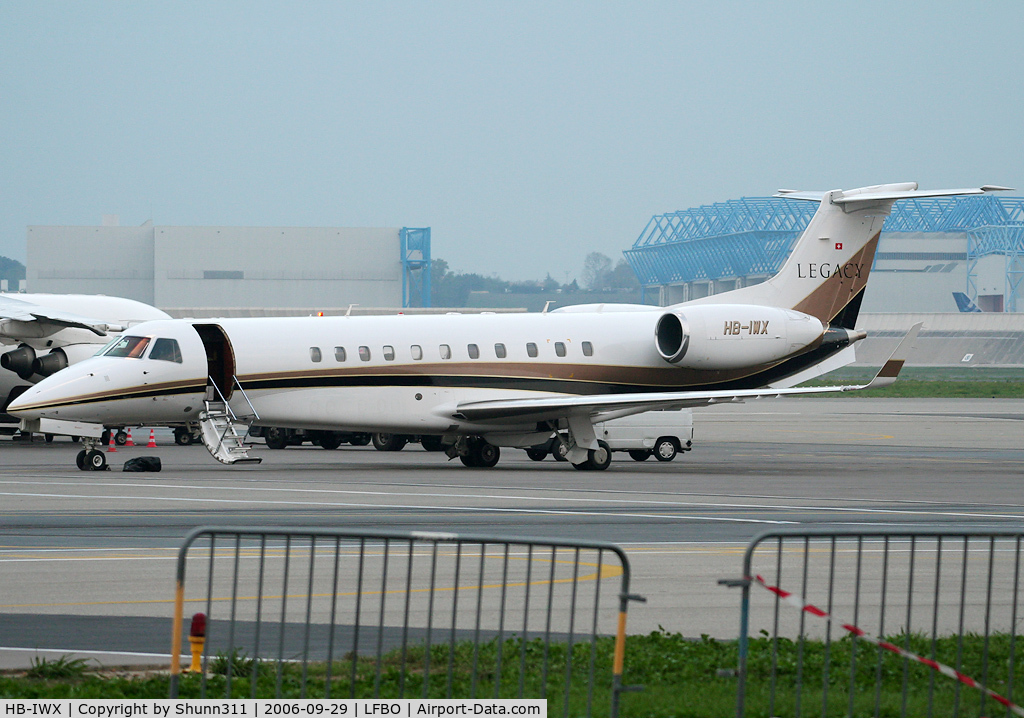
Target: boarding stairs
[(222, 431)]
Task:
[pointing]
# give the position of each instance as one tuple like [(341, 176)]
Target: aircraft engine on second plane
[(730, 336), (19, 361), (61, 357)]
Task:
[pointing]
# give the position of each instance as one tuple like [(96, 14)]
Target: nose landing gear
[(90, 458)]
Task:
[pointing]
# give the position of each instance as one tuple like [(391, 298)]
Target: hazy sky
[(524, 133)]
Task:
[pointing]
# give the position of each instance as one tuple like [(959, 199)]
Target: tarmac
[(87, 560)]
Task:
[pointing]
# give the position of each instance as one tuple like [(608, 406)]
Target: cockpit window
[(103, 349), (128, 347), (166, 350)]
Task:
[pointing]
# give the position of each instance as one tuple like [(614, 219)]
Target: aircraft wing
[(20, 311), (543, 408)]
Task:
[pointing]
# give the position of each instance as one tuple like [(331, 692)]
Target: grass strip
[(681, 676), (929, 389)]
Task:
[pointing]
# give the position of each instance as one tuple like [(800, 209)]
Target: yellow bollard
[(197, 638)]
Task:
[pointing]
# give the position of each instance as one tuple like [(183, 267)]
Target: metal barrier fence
[(881, 623), (308, 612)]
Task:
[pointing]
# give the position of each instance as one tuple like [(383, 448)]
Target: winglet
[(894, 364)]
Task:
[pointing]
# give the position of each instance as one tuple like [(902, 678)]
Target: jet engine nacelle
[(61, 357), (731, 336), (19, 361)]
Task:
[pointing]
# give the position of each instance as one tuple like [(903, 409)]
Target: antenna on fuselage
[(348, 312), (547, 304)]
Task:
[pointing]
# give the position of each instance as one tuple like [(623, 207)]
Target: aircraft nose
[(22, 407), (49, 396), (31, 404)]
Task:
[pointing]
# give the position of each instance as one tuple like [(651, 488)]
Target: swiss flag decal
[(839, 245)]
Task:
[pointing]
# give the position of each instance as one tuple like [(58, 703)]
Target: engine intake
[(50, 363), (19, 361), (672, 336)]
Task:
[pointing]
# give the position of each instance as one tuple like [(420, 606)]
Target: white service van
[(661, 434)]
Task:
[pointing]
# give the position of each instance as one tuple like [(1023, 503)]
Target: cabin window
[(499, 351), (339, 354), (446, 351), (128, 347), (417, 352), (364, 353), (166, 350), (588, 349), (531, 349), (560, 348), (389, 353), (474, 351), (314, 354)]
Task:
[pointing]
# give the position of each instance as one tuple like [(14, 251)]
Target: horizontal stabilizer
[(885, 192)]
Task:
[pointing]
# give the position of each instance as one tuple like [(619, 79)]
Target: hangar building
[(180, 268), (929, 249)]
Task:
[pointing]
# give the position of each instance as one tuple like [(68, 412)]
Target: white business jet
[(52, 331), (481, 382)]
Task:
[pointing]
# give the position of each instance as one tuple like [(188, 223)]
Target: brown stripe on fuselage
[(182, 386), (832, 295), (516, 376)]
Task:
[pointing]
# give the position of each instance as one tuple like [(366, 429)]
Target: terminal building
[(234, 270)]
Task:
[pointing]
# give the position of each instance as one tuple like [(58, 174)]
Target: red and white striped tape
[(797, 601)]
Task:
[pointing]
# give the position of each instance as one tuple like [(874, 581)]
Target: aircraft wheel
[(537, 454), (488, 455), (182, 436), (481, 455), (597, 459), (665, 449), (49, 438), (121, 437), (389, 442), (96, 460), (276, 438), (601, 457), (432, 443), (639, 454), (81, 460), (559, 451), (330, 440), (359, 439)]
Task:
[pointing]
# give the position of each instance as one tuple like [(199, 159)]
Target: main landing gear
[(597, 459), (479, 454)]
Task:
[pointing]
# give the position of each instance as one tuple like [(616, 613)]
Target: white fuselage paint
[(419, 368)]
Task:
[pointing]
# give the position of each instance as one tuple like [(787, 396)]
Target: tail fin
[(965, 303), (827, 271)]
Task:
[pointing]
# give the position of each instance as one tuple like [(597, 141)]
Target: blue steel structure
[(415, 258), (753, 236)]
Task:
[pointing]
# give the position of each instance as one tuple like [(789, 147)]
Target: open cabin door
[(220, 358)]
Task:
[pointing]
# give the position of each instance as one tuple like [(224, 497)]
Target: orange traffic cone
[(112, 447), (152, 440), (129, 442)]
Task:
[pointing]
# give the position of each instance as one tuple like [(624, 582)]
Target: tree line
[(452, 289)]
